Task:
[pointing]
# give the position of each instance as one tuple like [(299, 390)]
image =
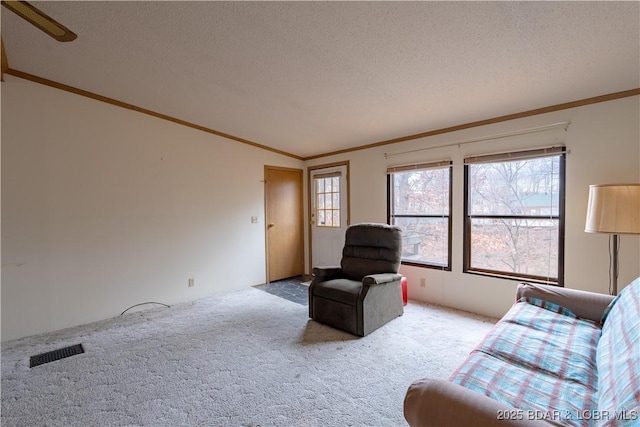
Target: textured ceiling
[(315, 77)]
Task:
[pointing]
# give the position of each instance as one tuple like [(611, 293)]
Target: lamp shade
[(613, 209)]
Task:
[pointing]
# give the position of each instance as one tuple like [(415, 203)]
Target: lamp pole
[(614, 267)]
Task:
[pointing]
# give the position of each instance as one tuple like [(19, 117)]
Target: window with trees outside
[(514, 215), (328, 200), (419, 202)]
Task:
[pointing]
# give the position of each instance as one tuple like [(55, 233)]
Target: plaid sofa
[(558, 357)]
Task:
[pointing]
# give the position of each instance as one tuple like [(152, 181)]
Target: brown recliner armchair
[(365, 292)]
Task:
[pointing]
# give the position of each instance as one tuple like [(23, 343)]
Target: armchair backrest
[(371, 248)]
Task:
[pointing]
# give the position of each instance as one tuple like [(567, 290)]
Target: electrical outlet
[(192, 282), (423, 282)]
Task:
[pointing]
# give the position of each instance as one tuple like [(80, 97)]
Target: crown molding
[(528, 113), (514, 116), (95, 96)]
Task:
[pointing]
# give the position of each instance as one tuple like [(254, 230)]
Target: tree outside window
[(328, 201), (514, 216), (420, 204)]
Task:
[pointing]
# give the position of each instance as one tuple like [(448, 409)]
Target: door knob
[(270, 225)]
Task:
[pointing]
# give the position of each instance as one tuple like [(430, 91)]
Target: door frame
[(266, 225), (311, 169)]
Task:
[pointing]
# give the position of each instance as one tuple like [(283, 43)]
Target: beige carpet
[(245, 358)]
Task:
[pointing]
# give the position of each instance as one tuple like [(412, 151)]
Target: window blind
[(515, 155), (418, 166), (327, 175)]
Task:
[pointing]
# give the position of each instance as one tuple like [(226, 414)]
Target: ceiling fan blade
[(40, 19)]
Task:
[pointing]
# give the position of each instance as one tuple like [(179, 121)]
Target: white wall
[(104, 208), (604, 147)]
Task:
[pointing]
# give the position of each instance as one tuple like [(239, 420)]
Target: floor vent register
[(52, 356)]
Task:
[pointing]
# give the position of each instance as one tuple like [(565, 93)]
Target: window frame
[(390, 215), (315, 205), (561, 153), (317, 209)]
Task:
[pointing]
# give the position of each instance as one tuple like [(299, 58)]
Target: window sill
[(425, 265), (513, 278)]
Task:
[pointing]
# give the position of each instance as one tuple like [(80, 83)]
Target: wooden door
[(284, 222)]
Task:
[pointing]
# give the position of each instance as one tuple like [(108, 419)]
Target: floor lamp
[(613, 209)]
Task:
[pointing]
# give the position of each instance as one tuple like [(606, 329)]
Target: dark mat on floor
[(290, 289)]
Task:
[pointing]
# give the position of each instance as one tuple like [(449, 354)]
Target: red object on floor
[(403, 283)]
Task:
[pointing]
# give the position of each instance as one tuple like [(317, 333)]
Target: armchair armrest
[(327, 272), (440, 403), (586, 305), (379, 279)]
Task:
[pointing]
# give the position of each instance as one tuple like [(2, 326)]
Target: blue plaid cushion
[(618, 359), (539, 358)]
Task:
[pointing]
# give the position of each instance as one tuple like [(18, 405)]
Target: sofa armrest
[(440, 403), (379, 279), (586, 305), (327, 272)]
